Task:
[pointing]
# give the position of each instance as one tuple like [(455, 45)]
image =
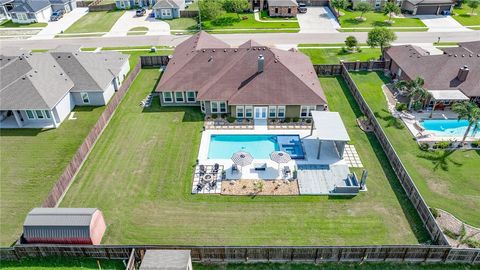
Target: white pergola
[(328, 126)]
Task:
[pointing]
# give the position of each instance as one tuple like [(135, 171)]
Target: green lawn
[(332, 266), (232, 21), (31, 161), (62, 263), (140, 175), (10, 24), (137, 31), (375, 19), (462, 16), (446, 180), (101, 21), (334, 55), (182, 24), (265, 17)]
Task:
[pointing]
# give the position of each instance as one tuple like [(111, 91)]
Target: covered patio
[(440, 99), (328, 128)]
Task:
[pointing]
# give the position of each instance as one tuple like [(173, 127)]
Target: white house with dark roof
[(34, 11), (39, 90), (168, 9)]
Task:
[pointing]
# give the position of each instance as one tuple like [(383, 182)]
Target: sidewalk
[(54, 28)]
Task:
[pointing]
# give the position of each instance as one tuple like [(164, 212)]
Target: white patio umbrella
[(242, 158), (280, 157)]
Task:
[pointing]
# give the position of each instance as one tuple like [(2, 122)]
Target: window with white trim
[(240, 111), (47, 114), (202, 106), (166, 12), (272, 111), (22, 16), (39, 114), (167, 97), (306, 111), (218, 106), (85, 98), (281, 112), (30, 114), (223, 106), (179, 97), (248, 111), (191, 97), (214, 107)]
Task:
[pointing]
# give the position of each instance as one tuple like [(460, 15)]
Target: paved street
[(237, 39)]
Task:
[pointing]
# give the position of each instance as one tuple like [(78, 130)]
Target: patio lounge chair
[(260, 166), (216, 167), (286, 171), (234, 168), (213, 184), (202, 170)]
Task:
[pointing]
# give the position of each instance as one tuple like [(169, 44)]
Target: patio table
[(208, 178)]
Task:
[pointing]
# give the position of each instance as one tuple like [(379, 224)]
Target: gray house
[(39, 90), (129, 4), (64, 5), (168, 9), (5, 7), (31, 11)]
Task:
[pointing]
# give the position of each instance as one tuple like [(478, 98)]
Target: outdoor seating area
[(207, 179), (222, 123)]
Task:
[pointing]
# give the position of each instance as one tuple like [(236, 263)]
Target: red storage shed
[(64, 226)]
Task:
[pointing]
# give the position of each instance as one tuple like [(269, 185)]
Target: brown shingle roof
[(219, 72), (440, 71)]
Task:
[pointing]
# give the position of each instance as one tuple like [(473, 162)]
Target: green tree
[(473, 4), (237, 6), (363, 7), (351, 42), (339, 4), (210, 9), (414, 89), (380, 37), (470, 111), (389, 9)]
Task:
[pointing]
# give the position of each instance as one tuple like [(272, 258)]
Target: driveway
[(54, 28), (441, 23), (317, 20), (129, 20)]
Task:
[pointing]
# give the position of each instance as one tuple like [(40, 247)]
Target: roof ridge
[(74, 56)]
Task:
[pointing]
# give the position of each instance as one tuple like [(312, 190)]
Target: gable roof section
[(282, 3), (231, 74), (32, 82), (167, 4), (60, 217), (440, 71), (29, 5)]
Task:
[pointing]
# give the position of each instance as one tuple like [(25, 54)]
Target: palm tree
[(415, 90), (470, 111)]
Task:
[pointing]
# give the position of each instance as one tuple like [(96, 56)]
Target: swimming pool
[(259, 146), (449, 128)]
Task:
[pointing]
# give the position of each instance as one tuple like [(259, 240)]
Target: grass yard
[(101, 21), (140, 175), (31, 161), (62, 263), (232, 21), (334, 55), (376, 19), (446, 180), (331, 266), (463, 17), (137, 31), (183, 24), (10, 24), (265, 17)]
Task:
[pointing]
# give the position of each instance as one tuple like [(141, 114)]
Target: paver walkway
[(351, 156), (54, 28), (129, 20)]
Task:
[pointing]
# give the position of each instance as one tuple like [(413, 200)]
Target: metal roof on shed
[(68, 217)]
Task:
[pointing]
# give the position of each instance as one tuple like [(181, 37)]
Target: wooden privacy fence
[(154, 60), (405, 179), (101, 7), (188, 13), (337, 69), (61, 186), (313, 254)]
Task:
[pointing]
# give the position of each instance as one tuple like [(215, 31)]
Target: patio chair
[(199, 187), (202, 170), (286, 171), (216, 167), (213, 184), (234, 169)]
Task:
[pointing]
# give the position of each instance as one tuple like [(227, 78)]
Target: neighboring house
[(81, 226), (64, 5), (166, 260), (454, 73), (249, 81), (376, 4), (5, 7), (129, 4), (428, 7), (282, 8), (31, 11), (168, 9), (258, 4), (39, 90)]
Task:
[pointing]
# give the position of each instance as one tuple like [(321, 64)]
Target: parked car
[(140, 12), (302, 8), (56, 15)]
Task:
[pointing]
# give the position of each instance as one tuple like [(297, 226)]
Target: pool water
[(449, 128), (259, 146)]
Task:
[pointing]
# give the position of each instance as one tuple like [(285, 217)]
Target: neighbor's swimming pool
[(449, 128), (259, 146)]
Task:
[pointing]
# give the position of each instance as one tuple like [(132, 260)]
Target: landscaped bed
[(31, 162), (250, 187), (147, 158), (334, 55), (446, 179), (10, 24)]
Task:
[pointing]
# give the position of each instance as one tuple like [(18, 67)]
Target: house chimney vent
[(261, 63), (463, 73)]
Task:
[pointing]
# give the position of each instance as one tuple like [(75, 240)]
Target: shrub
[(435, 212), (214, 116), (236, 6), (450, 234), (475, 144), (471, 243), (225, 21), (417, 106), (351, 42), (442, 145), (231, 119), (308, 121), (424, 147), (295, 119), (401, 106), (288, 120), (463, 232), (211, 9)]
